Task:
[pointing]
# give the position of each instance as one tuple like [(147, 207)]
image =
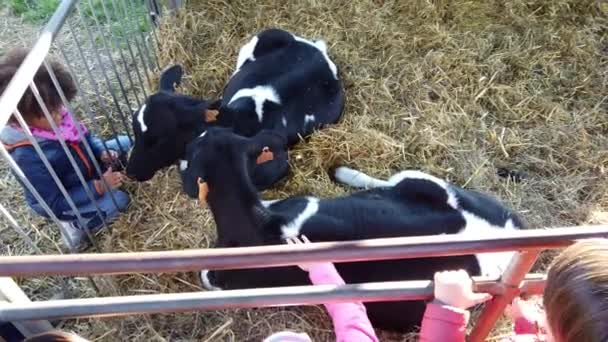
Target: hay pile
[(454, 88)]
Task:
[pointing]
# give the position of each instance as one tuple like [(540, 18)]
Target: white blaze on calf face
[(140, 118), (292, 229), (322, 47), (246, 53), (259, 95)]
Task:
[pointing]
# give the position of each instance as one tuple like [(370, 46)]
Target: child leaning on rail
[(349, 319), (23, 152), (575, 300)]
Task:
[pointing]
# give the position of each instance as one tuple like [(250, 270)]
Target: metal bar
[(130, 19), (53, 174), (153, 32), (104, 72), (11, 220), (87, 147), (116, 46), (100, 101), (125, 35), (511, 280), (21, 176), (283, 255), (71, 159), (134, 12), (22, 78), (248, 298), (12, 293)]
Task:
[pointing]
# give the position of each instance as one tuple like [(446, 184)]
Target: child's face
[(43, 123)]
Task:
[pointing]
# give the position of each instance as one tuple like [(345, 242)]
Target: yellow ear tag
[(203, 190), (211, 115), (265, 156)]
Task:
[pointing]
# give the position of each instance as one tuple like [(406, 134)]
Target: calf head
[(229, 159), (164, 125)]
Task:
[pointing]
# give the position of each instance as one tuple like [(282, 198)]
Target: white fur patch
[(309, 118), (292, 229), (414, 174), (322, 47), (246, 53), (491, 264), (268, 203), (206, 283), (140, 118), (259, 95), (183, 165), (358, 179)]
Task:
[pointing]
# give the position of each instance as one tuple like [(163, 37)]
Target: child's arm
[(96, 144), (43, 182), (349, 319), (445, 319), (527, 317)]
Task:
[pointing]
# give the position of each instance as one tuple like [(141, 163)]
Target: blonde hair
[(576, 295)]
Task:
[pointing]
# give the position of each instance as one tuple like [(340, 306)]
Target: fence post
[(511, 279), (12, 293)]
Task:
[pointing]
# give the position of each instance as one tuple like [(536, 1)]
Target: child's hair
[(576, 295), (55, 336), (28, 105)]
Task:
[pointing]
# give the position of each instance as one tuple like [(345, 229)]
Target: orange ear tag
[(265, 156), (203, 190), (211, 115)]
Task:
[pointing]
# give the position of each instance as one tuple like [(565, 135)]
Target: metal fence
[(113, 60)]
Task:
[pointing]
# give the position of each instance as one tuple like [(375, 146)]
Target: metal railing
[(123, 78), (513, 282)]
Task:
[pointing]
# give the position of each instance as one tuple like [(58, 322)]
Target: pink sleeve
[(443, 323), (349, 319)]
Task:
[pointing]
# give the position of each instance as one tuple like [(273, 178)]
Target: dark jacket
[(24, 154)]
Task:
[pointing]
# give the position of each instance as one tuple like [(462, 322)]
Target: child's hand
[(114, 179), (455, 288), (300, 241), (109, 156), (529, 310)]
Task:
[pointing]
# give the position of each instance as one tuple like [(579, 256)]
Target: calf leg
[(357, 179)]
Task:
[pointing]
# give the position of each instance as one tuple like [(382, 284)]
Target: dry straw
[(454, 88)]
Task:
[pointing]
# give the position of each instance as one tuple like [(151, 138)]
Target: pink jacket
[(448, 324), (349, 319)]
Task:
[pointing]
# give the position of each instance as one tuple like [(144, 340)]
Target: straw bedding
[(458, 89)]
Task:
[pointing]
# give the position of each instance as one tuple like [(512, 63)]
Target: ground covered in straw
[(459, 89)]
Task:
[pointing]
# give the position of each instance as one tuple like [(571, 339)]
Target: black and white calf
[(411, 203), (281, 82)]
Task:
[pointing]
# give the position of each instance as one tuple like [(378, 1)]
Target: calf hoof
[(206, 281)]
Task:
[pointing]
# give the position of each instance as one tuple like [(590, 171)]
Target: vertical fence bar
[(103, 69), (12, 293), (511, 279), (135, 10), (13, 223), (137, 33), (100, 101), (71, 159), (53, 174), (80, 133), (151, 22), (116, 45), (125, 35)]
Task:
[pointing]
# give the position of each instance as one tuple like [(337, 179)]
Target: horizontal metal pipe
[(283, 255), (249, 298)]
